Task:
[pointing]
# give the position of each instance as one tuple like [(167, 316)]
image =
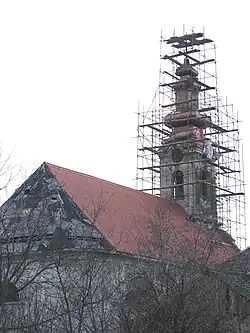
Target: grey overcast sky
[(72, 73)]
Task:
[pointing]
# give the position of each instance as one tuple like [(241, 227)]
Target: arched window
[(178, 181), (205, 186), (177, 155)]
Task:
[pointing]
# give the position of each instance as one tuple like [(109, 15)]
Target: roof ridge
[(126, 221), (104, 180)]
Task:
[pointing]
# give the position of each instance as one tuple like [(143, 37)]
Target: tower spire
[(189, 177), (188, 140)]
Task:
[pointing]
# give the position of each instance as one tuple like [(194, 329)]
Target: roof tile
[(137, 222)]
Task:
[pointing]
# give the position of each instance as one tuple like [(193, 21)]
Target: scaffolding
[(215, 122)]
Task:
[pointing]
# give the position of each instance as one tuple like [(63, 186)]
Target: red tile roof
[(139, 223)]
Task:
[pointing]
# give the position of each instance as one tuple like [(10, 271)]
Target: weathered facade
[(81, 254), (66, 268), (187, 174)]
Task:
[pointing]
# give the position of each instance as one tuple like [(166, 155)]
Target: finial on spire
[(186, 69)]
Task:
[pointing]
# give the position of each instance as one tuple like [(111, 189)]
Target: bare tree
[(181, 290), (53, 280)]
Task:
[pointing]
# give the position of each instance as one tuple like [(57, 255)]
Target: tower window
[(205, 187), (178, 181), (177, 155), (190, 93)]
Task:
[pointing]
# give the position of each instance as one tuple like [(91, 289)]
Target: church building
[(179, 214)]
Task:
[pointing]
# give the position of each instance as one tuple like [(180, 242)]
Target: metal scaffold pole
[(188, 118)]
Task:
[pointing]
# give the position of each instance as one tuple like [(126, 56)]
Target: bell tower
[(187, 158), (189, 147), (186, 174)]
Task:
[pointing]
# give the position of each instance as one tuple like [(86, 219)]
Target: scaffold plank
[(198, 63), (193, 43), (171, 59), (177, 39)]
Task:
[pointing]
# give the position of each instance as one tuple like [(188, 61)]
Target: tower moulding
[(188, 140)]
